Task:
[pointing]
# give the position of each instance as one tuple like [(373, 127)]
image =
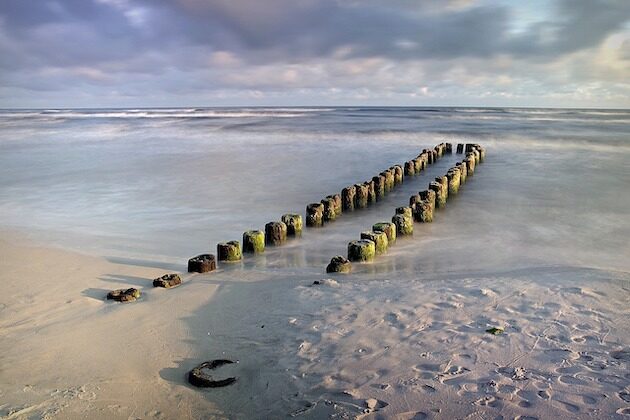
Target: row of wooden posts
[(354, 197), (421, 209)]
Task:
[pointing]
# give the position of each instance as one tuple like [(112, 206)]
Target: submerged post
[(362, 250), (347, 198), (293, 222), (229, 251), (254, 241)]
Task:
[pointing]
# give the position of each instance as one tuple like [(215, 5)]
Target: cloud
[(210, 50)]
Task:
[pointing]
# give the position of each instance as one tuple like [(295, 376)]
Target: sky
[(167, 53)]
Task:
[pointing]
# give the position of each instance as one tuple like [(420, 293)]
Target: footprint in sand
[(571, 408), (624, 395), (624, 411), (560, 355), (543, 394), (489, 401)]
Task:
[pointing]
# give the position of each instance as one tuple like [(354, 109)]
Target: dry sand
[(366, 345)]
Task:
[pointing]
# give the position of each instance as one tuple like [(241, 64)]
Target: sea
[(166, 184)]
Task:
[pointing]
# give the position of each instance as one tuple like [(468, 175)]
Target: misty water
[(164, 184)]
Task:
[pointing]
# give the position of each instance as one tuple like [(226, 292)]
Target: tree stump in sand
[(197, 377), (362, 250), (168, 280), (254, 241), (229, 251), (330, 209), (315, 215), (423, 212), (347, 198), (124, 295), (380, 241), (389, 229), (339, 264), (275, 233), (361, 196), (404, 224), (293, 222), (202, 263)]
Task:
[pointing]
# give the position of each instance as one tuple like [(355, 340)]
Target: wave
[(175, 113)]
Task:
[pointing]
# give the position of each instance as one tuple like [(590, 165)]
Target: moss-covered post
[(293, 222), (275, 233), (444, 181), (440, 197), (361, 196), (315, 215), (338, 206), (380, 240), (379, 187), (404, 224), (398, 175), (453, 176), (460, 148), (362, 250), (470, 166), (410, 168), (463, 171), (429, 196), (414, 199), (229, 251), (254, 242), (404, 210), (417, 164), (389, 229), (339, 264), (423, 212), (330, 209), (371, 191), (347, 198), (389, 180)]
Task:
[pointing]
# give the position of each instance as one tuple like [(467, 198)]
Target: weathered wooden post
[(379, 187), (380, 241), (430, 160), (440, 197), (362, 250), (443, 180), (460, 148), (410, 168), (275, 233), (404, 224), (254, 242), (339, 264), (389, 180), (453, 176), (169, 280), (449, 149), (293, 222), (470, 165), (418, 166), (347, 198), (330, 209), (315, 215), (435, 155), (229, 251), (338, 206), (469, 147), (423, 212), (407, 211), (389, 229), (414, 199), (398, 175), (202, 263), (361, 196), (482, 153), (371, 192), (430, 197), (463, 172)]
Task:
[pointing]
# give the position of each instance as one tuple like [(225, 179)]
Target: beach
[(535, 243)]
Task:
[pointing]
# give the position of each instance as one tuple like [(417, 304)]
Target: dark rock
[(339, 264), (124, 295), (197, 377)]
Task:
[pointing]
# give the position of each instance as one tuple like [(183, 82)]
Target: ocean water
[(165, 184)]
